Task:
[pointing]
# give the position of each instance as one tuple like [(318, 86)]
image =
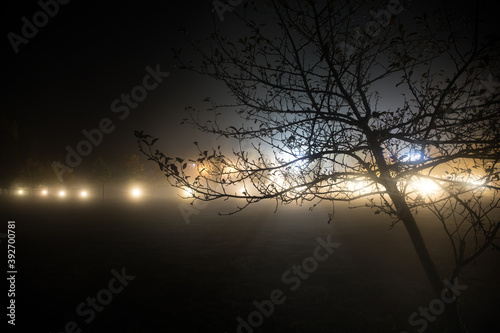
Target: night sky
[(65, 78)]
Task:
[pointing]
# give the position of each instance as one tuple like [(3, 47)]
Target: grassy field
[(202, 276)]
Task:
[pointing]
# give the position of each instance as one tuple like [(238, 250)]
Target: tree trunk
[(404, 213), (411, 226), (406, 216), (418, 243)]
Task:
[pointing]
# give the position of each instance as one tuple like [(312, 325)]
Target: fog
[(191, 270)]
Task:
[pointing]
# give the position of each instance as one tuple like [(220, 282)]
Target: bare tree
[(308, 80)]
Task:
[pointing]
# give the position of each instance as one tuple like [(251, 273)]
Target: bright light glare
[(300, 189), (136, 193), (426, 185), (359, 186), (44, 192), (411, 156), (20, 192), (83, 194), (475, 182), (414, 156), (278, 180), (62, 193)]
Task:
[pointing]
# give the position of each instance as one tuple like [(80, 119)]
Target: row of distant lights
[(135, 192), (83, 194)]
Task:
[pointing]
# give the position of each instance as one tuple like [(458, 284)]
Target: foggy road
[(204, 274)]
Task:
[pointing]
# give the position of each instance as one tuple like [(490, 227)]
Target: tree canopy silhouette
[(401, 113)]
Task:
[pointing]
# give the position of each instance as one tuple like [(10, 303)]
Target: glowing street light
[(359, 186), (62, 194), (45, 192), (136, 192), (475, 181), (20, 192), (427, 186), (83, 194)]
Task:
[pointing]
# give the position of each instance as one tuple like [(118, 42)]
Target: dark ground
[(200, 277)]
